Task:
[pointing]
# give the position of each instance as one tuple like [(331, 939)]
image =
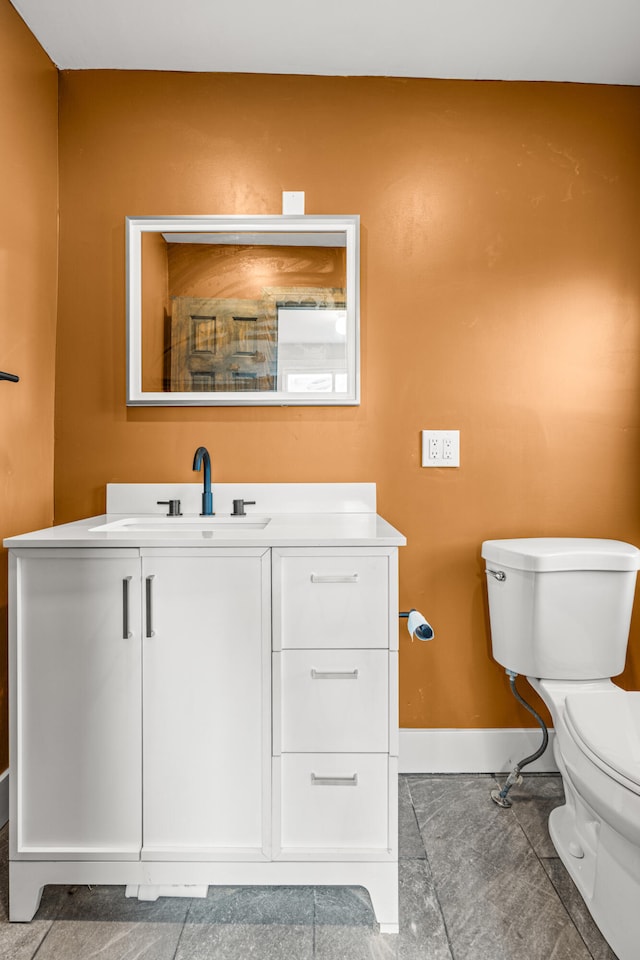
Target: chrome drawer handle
[(334, 675), (497, 574), (334, 781), (334, 578)]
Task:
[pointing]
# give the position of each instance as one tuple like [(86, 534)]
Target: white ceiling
[(589, 41)]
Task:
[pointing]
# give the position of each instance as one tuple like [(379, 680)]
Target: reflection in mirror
[(241, 311)]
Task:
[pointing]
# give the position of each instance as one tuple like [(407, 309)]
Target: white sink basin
[(229, 526)]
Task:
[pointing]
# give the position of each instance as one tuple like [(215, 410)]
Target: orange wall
[(500, 295), (28, 268)]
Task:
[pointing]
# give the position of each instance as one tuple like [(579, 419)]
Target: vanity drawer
[(331, 598), (331, 700), (335, 801)]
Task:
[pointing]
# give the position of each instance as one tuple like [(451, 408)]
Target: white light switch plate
[(440, 448)]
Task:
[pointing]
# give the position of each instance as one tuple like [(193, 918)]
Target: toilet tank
[(560, 608)]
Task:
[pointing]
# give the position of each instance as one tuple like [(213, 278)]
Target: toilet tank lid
[(562, 553)]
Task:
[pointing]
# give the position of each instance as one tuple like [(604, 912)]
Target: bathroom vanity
[(206, 700)]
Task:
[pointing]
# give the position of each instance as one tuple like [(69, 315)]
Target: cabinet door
[(76, 737), (207, 704)]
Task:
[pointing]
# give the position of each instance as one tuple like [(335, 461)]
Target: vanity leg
[(382, 884), (25, 892)]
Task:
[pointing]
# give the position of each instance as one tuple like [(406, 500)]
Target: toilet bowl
[(560, 611)]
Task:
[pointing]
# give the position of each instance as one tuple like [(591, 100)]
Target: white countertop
[(295, 530), (336, 519)]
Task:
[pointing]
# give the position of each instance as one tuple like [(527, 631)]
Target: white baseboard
[(4, 798), (472, 751)]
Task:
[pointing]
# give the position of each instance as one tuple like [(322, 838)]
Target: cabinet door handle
[(334, 578), (126, 633), (149, 602), (334, 674), (334, 781)]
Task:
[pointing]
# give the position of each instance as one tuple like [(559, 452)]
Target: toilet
[(560, 611)]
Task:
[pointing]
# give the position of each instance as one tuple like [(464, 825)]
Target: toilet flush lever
[(498, 574)]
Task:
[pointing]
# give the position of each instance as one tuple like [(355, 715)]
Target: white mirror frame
[(136, 226)]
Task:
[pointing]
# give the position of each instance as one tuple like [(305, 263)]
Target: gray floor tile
[(456, 807), (533, 800), (496, 898), (109, 903), (272, 923), (410, 845), (343, 906), (238, 941), (576, 907), (19, 941), (422, 927), (254, 905), (346, 928), (109, 940), (344, 942)]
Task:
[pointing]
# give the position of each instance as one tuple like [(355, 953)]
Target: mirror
[(242, 310)]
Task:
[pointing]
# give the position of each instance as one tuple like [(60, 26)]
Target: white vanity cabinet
[(185, 715)]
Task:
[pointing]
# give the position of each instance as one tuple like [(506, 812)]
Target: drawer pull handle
[(334, 781), (149, 598), (334, 578), (334, 675), (126, 633)]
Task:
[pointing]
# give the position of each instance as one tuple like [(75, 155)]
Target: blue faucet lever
[(202, 455)]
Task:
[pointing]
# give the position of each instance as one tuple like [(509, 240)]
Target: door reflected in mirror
[(232, 311)]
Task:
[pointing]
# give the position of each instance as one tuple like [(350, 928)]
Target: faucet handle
[(239, 505), (174, 507)]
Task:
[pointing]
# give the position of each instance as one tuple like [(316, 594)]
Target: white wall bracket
[(292, 203)]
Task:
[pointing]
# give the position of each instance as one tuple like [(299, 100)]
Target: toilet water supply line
[(500, 796)]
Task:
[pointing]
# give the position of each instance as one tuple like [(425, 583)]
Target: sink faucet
[(202, 454)]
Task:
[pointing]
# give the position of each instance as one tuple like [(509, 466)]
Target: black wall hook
[(9, 376)]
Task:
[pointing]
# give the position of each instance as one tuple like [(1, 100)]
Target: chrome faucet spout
[(202, 457)]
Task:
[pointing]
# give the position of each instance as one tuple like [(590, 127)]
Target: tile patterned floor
[(476, 883)]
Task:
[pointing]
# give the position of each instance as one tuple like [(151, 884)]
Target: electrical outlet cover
[(440, 448)]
